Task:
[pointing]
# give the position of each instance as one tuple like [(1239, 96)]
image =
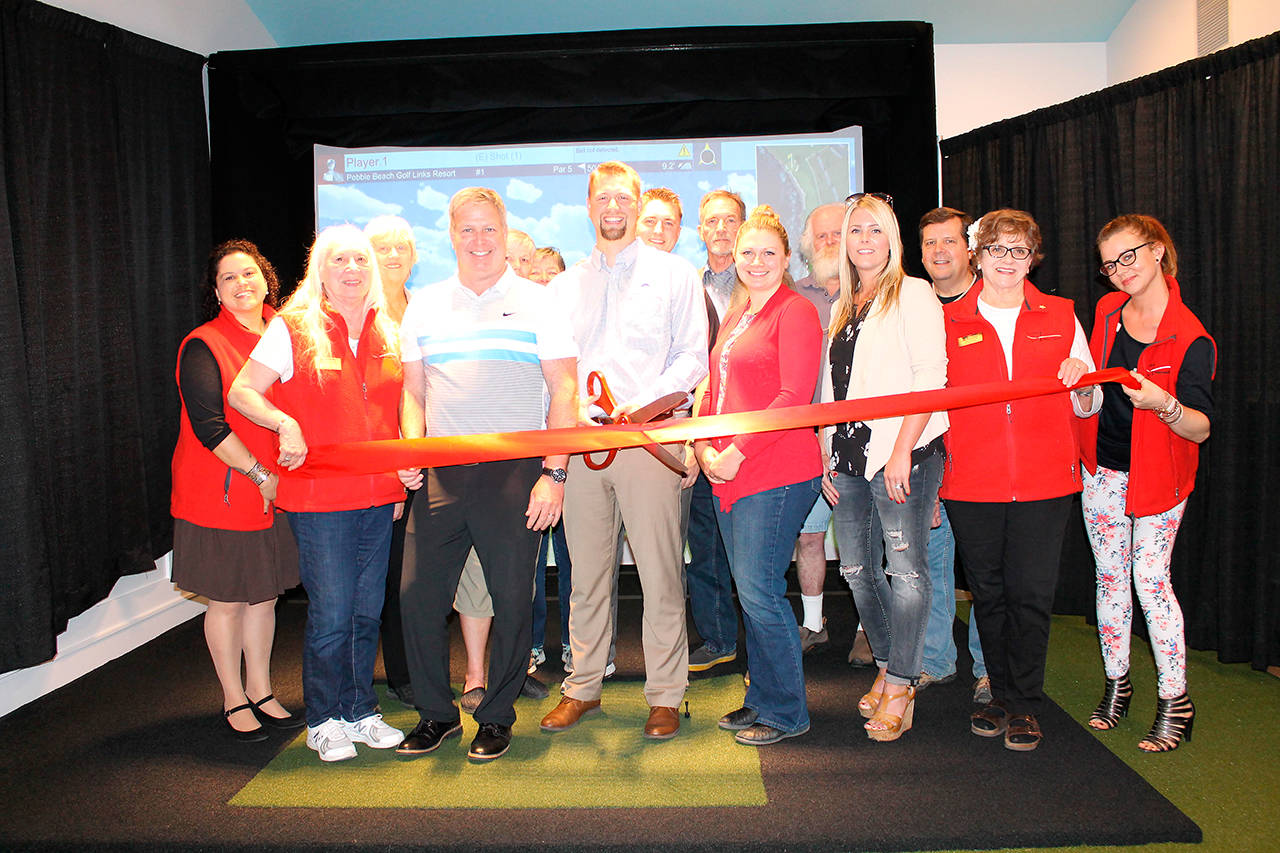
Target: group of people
[(510, 343)]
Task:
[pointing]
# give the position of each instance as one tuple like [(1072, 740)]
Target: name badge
[(970, 339), (330, 363)]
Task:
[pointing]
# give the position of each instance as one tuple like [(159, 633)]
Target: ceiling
[(304, 22)]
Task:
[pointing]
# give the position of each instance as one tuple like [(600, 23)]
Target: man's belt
[(660, 409)]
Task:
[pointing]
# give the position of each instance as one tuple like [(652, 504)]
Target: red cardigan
[(359, 400), (1024, 450), (774, 363), (1162, 465)]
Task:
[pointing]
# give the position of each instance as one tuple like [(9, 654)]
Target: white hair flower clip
[(973, 234)]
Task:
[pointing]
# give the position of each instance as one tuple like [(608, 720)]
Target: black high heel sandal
[(252, 735), (1174, 719), (1114, 705)]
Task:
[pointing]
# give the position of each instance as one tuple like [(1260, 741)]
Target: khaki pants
[(641, 492)]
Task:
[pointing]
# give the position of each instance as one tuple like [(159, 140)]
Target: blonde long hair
[(305, 308), (888, 280), (762, 218)]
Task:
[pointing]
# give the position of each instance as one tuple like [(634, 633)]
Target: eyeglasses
[(995, 250), (1126, 259), (884, 197)]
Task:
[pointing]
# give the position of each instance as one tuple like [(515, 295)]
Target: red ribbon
[(373, 457)]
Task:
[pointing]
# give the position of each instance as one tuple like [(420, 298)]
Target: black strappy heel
[(1174, 719), (1114, 705)]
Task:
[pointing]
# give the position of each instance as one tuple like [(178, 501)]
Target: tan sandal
[(870, 700), (885, 726)]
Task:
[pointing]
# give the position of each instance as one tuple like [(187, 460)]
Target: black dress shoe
[(427, 736), (490, 742), (736, 721), (252, 735), (533, 688), (293, 721)]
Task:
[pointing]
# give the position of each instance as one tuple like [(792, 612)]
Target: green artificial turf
[(610, 764)]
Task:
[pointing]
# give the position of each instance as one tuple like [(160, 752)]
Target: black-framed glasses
[(1126, 259), (996, 250), (853, 199)]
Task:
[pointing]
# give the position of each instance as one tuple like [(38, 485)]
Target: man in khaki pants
[(639, 318)]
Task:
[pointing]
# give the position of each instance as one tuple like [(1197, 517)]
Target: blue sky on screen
[(545, 186)]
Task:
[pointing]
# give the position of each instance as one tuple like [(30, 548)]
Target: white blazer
[(899, 349)]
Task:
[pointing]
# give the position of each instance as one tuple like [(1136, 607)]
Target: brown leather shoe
[(567, 713), (663, 723), (860, 654)]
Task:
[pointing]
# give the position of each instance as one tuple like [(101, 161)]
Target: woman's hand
[(293, 448), (724, 466), (398, 511), (1149, 396), (897, 476), (829, 487), (1071, 370), (410, 478), (268, 489)]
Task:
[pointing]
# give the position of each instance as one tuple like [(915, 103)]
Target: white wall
[(983, 83), (1154, 34), (1251, 19), (201, 26), (140, 608)]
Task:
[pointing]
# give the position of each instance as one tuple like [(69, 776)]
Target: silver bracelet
[(258, 473)]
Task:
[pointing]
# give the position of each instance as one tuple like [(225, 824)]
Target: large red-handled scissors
[(598, 392)]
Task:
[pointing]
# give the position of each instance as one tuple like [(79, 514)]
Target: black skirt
[(235, 565)]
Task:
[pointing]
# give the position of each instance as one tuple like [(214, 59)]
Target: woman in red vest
[(331, 360), (1141, 464), (229, 543), (1013, 468)]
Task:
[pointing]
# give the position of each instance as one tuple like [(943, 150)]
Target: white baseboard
[(139, 608)]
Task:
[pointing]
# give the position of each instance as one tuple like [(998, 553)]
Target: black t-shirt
[(1115, 420), (201, 384)]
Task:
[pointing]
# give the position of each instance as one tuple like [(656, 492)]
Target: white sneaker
[(331, 741), (373, 731)]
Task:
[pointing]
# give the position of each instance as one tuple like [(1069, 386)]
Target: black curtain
[(269, 107), (105, 175), (1196, 146)]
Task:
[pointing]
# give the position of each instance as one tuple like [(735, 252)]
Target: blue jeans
[(759, 536), (710, 587), (869, 527), (939, 639), (553, 538), (342, 557)]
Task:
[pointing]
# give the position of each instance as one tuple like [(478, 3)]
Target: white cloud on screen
[(564, 225), (744, 184), (356, 206), (432, 199), (522, 191)]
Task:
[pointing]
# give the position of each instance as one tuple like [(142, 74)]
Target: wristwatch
[(559, 475)]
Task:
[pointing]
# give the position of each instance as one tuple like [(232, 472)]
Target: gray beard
[(825, 267)]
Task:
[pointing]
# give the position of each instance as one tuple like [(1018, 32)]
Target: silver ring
[(898, 486)]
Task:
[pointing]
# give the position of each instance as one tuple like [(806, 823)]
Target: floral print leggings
[(1140, 548)]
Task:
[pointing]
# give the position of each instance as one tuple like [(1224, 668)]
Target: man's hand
[(546, 499)]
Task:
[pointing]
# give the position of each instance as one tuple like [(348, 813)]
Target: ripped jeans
[(893, 600)]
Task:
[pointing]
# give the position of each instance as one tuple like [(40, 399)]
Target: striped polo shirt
[(482, 354)]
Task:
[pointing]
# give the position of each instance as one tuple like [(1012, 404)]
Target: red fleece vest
[(1024, 450), (205, 489), (1162, 465), (349, 398)]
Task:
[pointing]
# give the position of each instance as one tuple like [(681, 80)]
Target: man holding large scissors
[(639, 319)]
